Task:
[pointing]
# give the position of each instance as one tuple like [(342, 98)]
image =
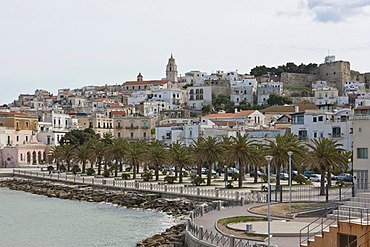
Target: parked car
[(308, 174), (231, 170), (333, 177), (316, 177), (284, 176), (205, 171), (345, 177), (259, 173), (294, 174)]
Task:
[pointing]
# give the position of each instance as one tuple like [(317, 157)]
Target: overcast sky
[(48, 44)]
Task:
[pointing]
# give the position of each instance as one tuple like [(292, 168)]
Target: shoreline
[(179, 208)]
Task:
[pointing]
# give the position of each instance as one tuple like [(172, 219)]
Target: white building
[(351, 87), (326, 96), (265, 89), (199, 96), (175, 132), (319, 85), (243, 90), (314, 124)]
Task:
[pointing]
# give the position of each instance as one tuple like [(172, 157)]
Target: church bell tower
[(171, 70)]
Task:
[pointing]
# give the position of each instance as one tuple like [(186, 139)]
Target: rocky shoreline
[(173, 236)]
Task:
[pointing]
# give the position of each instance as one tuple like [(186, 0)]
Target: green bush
[(125, 176), (197, 180), (170, 179), (90, 171), (147, 176), (62, 168), (301, 179), (264, 178), (235, 176), (164, 172), (75, 169), (185, 174), (106, 173), (128, 169)]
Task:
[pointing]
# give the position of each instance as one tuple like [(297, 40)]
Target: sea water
[(28, 220)]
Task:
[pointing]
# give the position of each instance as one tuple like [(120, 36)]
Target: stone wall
[(296, 79)]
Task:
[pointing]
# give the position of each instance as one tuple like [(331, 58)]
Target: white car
[(316, 178)]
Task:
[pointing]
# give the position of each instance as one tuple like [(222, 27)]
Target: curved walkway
[(209, 220)]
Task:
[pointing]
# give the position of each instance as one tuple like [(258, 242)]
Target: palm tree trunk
[(180, 175), (68, 165), (241, 174), (156, 172), (83, 166), (134, 170), (137, 168), (177, 171), (99, 167), (277, 175), (199, 170), (116, 169), (329, 176), (322, 183), (209, 175), (120, 166), (255, 174)]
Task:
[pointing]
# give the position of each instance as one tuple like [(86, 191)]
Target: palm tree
[(207, 150), (260, 159), (224, 160), (81, 155), (180, 156), (99, 148), (117, 152), (56, 155), (324, 154), (135, 154), (279, 149), (157, 155), (243, 152), (68, 154)]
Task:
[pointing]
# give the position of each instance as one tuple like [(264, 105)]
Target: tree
[(117, 150), (206, 109), (207, 150), (242, 152), (275, 99), (81, 155), (181, 156), (56, 155), (279, 149), (136, 154), (157, 155), (324, 154), (68, 154), (78, 137), (99, 149)]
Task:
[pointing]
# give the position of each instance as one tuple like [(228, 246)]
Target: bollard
[(242, 199), (198, 191), (219, 205)]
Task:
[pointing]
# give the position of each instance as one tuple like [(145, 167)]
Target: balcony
[(145, 127), (118, 127), (132, 127)]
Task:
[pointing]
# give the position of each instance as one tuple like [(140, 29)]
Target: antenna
[(328, 52)]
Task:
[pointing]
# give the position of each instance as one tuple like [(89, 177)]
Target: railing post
[(125, 184), (340, 192), (327, 192), (198, 191), (200, 233), (181, 190), (92, 180), (83, 179), (74, 178), (201, 210), (151, 187), (66, 177), (114, 183), (237, 195), (232, 241), (165, 188), (216, 193)]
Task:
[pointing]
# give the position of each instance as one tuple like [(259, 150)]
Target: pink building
[(137, 127)]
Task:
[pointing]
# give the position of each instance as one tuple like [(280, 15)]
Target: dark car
[(259, 173)]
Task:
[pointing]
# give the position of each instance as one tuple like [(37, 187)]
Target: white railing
[(214, 238), (209, 193)]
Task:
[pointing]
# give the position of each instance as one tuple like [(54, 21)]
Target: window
[(315, 135), (362, 153), (145, 125), (17, 138), (26, 138), (302, 134), (131, 124), (119, 134), (314, 119), (336, 132), (132, 135), (321, 118), (144, 135), (27, 124)]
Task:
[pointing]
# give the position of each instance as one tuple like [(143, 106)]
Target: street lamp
[(268, 159), (290, 153), (353, 181)]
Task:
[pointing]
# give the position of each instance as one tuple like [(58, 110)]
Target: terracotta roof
[(118, 113), (289, 108), (100, 100), (362, 108), (171, 125), (150, 82), (284, 115), (113, 104), (225, 123), (225, 115)]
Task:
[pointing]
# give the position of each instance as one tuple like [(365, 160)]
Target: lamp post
[(268, 159), (225, 170), (353, 181), (290, 153)]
